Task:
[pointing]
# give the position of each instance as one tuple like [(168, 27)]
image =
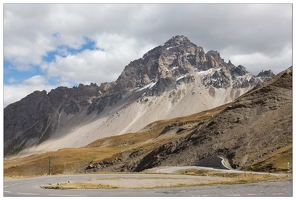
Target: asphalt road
[(178, 169), (30, 187)]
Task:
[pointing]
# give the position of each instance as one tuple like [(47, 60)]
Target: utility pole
[(48, 165)]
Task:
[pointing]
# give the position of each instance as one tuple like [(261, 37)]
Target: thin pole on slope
[(48, 165)]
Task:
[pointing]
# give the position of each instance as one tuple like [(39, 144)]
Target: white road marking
[(65, 195), (235, 195), (27, 193), (279, 193)]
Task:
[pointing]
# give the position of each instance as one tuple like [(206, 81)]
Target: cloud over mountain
[(68, 44)]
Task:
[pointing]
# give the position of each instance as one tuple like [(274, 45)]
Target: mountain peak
[(177, 40), (177, 78)]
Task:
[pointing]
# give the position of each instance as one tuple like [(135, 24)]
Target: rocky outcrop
[(36, 117), (178, 59), (26, 121), (266, 74)]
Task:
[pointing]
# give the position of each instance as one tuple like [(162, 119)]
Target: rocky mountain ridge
[(254, 132), (175, 79)]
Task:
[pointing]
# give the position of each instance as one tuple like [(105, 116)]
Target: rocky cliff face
[(36, 117), (161, 84), (178, 58)]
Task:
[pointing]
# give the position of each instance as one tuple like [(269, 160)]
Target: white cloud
[(35, 80), (258, 36), (30, 31), (25, 39), (255, 61), (97, 66), (15, 92)]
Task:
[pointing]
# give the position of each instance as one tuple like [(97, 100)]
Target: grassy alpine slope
[(71, 160)]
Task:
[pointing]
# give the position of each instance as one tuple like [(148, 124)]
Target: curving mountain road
[(31, 187), (178, 169)]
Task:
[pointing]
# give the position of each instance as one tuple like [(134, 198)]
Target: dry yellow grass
[(78, 185), (236, 178), (61, 162), (276, 161)]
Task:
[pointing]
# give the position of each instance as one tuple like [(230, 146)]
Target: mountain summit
[(175, 79), (179, 58)]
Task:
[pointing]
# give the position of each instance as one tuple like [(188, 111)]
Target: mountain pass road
[(26, 187)]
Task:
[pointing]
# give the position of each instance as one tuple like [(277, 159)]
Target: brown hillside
[(108, 153), (252, 128)]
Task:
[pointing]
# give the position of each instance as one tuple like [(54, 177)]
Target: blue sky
[(51, 45), (13, 75)]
